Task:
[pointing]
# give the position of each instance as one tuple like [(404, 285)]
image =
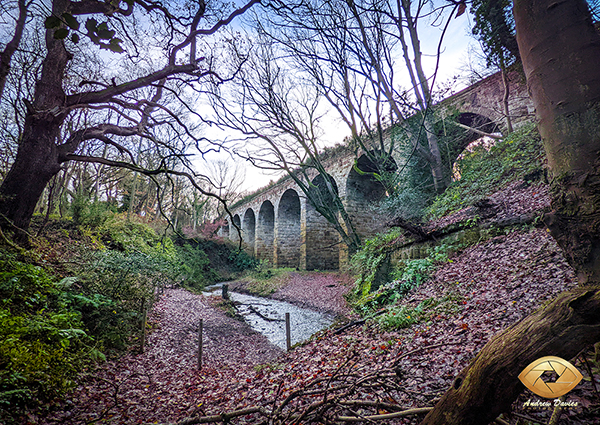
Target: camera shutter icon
[(550, 377)]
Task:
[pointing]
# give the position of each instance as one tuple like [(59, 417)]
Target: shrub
[(110, 289), (24, 288), (196, 270), (242, 261), (89, 213), (129, 234), (43, 343)]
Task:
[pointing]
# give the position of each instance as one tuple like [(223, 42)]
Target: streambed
[(267, 317)]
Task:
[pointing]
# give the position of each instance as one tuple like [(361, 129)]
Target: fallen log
[(489, 385)]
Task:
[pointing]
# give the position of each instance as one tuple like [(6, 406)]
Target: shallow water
[(303, 321)]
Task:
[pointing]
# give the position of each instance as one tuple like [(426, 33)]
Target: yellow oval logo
[(550, 377)]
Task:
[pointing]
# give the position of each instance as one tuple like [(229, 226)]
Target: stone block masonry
[(280, 226)]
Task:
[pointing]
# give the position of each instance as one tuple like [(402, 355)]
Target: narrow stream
[(303, 321)]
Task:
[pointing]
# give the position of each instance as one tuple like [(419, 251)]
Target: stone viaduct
[(279, 225)]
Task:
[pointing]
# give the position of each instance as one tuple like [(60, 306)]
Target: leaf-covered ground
[(319, 291), (483, 290)]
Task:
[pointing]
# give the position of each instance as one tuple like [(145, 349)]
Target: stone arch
[(476, 121), (249, 230), (459, 137), (233, 234), (363, 192), (363, 187), (322, 240), (288, 240), (265, 232), (463, 138)]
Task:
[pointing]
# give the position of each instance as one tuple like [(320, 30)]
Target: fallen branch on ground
[(346, 395)]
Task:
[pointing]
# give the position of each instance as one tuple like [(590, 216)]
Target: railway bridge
[(281, 226)]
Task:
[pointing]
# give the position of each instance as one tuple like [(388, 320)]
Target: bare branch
[(13, 44), (108, 93)]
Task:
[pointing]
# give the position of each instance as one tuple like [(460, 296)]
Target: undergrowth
[(483, 172), (43, 341), (400, 316), (78, 296), (395, 281)]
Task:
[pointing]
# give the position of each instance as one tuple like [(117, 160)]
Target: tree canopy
[(100, 82)]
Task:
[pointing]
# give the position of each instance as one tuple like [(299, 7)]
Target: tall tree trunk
[(35, 165), (37, 159), (559, 50), (440, 183), (506, 84)]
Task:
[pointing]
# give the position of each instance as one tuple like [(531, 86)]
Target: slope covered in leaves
[(484, 289)]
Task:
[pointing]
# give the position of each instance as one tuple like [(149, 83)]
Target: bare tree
[(162, 62), (279, 126), (349, 48), (227, 178)]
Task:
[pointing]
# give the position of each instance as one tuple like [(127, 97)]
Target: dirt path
[(163, 383)]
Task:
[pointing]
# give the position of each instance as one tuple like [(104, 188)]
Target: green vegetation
[(399, 316), (371, 259), (263, 280), (78, 296), (242, 261), (380, 284), (483, 172), (196, 269), (383, 285), (43, 341)]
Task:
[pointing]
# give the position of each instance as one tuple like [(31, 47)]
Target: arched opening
[(322, 240), (288, 239), (322, 192), (362, 183), (265, 232), (364, 191), (477, 122), (233, 232), (464, 140), (249, 230)]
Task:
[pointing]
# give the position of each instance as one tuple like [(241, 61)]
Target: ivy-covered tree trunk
[(559, 49)]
